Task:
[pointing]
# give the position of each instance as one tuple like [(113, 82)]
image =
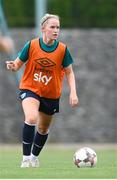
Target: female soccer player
[(47, 60)]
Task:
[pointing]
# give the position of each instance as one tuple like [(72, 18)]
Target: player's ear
[(42, 28)]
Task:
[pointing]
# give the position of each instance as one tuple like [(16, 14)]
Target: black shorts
[(48, 106)]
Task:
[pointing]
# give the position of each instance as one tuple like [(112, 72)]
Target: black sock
[(39, 142), (28, 137)]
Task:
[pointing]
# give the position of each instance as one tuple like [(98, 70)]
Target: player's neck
[(48, 42)]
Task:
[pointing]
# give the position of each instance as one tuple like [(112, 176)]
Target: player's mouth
[(55, 35)]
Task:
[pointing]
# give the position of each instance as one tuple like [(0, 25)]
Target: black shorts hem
[(47, 106)]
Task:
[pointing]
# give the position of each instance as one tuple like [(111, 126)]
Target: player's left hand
[(73, 99)]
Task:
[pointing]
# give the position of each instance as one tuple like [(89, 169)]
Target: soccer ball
[(85, 157)]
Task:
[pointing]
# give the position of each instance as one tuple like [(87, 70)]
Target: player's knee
[(43, 130), (31, 119)]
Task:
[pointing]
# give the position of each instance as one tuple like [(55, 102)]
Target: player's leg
[(47, 108), (41, 136), (30, 107)]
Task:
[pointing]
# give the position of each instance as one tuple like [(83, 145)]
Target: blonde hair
[(48, 16)]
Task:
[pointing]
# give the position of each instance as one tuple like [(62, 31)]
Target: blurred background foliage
[(73, 13)]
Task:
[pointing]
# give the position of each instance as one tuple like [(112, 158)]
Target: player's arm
[(67, 65), (73, 98)]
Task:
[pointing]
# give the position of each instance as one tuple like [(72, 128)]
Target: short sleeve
[(67, 59), (23, 54)]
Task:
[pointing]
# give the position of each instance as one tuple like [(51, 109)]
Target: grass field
[(56, 162)]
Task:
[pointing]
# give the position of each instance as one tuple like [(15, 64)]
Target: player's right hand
[(10, 65)]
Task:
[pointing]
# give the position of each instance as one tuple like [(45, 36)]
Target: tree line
[(73, 13)]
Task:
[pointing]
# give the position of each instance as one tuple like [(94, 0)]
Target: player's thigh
[(44, 122), (30, 107)]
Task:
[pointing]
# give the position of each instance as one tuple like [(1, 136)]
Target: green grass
[(57, 163)]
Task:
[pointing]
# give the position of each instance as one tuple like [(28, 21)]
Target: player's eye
[(52, 27)]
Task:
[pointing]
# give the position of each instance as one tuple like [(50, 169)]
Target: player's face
[(51, 29)]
